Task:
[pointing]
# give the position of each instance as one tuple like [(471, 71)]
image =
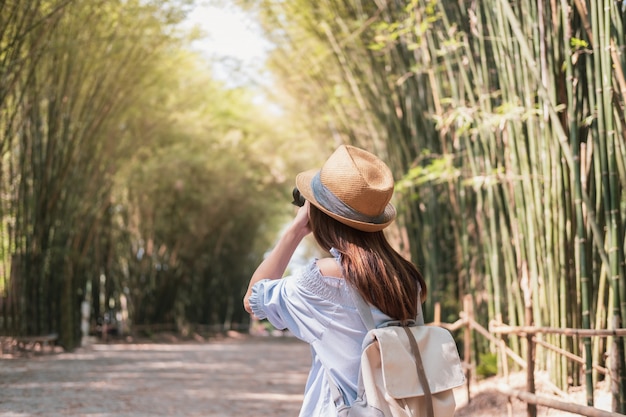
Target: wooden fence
[(467, 323)]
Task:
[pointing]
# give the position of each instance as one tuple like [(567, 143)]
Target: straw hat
[(354, 187)]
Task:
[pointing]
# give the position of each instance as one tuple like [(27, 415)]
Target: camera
[(298, 200)]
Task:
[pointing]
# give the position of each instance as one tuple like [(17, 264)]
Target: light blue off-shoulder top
[(318, 310)]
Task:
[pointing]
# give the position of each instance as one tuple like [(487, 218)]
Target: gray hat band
[(332, 203)]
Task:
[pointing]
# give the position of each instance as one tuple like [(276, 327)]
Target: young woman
[(347, 207)]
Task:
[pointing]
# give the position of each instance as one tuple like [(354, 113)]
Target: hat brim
[(303, 182)]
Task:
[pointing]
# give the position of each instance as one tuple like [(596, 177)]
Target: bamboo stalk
[(582, 273)]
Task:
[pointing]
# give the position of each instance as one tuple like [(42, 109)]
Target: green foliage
[(519, 200), (203, 194), (487, 365), (577, 43), (130, 178), (438, 170)]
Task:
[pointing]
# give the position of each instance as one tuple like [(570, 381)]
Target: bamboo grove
[(504, 123), (130, 178)]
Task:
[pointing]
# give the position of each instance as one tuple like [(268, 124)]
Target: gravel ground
[(231, 377), (236, 376)]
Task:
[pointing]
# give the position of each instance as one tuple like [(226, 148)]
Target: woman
[(347, 207)]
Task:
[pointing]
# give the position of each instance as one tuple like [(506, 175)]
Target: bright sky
[(234, 41)]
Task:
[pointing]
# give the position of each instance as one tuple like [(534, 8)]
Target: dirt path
[(247, 377), (251, 376)]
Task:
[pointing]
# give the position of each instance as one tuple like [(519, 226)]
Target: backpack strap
[(420, 315), (421, 373)]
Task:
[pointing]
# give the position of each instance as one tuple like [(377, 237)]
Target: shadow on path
[(232, 377)]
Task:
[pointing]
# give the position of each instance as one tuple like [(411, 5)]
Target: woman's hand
[(300, 223)]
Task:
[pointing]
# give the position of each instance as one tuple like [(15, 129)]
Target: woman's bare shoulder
[(329, 267)]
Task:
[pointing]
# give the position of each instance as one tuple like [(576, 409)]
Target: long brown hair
[(381, 275)]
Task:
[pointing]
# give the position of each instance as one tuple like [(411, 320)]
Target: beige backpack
[(407, 370)]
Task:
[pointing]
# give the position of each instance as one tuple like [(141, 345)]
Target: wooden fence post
[(530, 362), (467, 340)]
